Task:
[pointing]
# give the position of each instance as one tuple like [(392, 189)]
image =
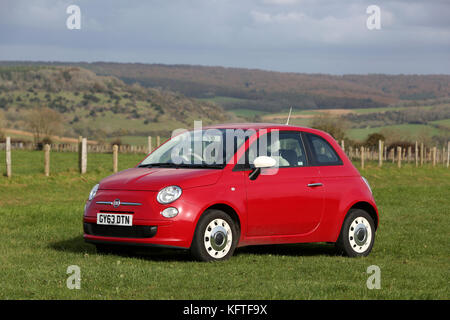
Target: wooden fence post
[(343, 145), (47, 160), (8, 157), (380, 153), (83, 156), (362, 157), (443, 155), (149, 144), (158, 141), (115, 157), (399, 157), (448, 153), (409, 154), (80, 139), (416, 154), (421, 154), (434, 156)]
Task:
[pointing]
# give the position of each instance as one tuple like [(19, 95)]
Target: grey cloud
[(288, 35)]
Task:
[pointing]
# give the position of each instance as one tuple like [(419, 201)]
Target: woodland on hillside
[(96, 106), (112, 100), (275, 91)]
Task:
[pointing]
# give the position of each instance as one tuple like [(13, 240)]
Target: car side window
[(322, 151), (287, 150)]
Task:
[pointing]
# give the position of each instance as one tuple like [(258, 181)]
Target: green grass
[(41, 235), (247, 113), (409, 130), (444, 122), (384, 109), (138, 140), (221, 100), (300, 122), (355, 110), (30, 163)]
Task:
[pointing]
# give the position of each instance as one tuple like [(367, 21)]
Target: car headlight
[(168, 194), (93, 192), (367, 184)]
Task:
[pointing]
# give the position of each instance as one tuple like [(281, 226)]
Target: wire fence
[(82, 157), (419, 154)]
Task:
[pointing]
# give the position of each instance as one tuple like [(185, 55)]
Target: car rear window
[(322, 151)]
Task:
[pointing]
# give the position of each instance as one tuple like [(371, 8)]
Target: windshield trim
[(204, 165), (182, 165)]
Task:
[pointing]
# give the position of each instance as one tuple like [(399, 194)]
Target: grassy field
[(314, 112), (409, 130), (221, 100), (445, 123), (304, 118), (247, 113), (41, 235)]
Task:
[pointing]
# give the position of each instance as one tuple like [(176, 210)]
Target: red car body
[(273, 209)]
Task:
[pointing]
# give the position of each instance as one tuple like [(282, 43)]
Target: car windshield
[(211, 148)]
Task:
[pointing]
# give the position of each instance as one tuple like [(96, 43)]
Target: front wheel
[(215, 238), (357, 234)]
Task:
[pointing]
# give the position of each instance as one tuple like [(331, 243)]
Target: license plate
[(114, 219)]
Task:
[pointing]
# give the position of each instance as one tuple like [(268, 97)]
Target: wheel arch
[(229, 211), (369, 208)]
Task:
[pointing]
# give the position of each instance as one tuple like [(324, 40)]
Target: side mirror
[(259, 163), (264, 162)]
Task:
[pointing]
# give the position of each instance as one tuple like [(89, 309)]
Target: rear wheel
[(357, 234), (215, 238)]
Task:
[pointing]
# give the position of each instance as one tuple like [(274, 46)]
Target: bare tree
[(44, 122)]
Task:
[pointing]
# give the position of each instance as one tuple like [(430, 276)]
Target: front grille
[(119, 231), (116, 211)]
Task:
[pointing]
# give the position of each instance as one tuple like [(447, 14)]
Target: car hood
[(154, 179)]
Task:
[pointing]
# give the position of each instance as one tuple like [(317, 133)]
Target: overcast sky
[(312, 36)]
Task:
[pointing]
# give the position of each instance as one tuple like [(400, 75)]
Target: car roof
[(257, 126)]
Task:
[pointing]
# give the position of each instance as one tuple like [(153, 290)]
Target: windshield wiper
[(201, 165), (161, 165), (181, 165)]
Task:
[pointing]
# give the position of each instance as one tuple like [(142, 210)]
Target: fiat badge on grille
[(116, 203)]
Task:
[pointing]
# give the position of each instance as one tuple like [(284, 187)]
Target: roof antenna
[(289, 116)]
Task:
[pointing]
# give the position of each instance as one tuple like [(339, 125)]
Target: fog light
[(169, 212)]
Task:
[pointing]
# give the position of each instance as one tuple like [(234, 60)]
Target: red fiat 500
[(221, 187)]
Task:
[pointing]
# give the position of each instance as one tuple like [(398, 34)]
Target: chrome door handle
[(315, 184)]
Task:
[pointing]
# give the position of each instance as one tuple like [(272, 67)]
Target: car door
[(337, 180), (286, 200)]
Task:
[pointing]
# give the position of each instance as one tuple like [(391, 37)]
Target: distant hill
[(98, 106), (238, 88), (104, 101), (274, 91)]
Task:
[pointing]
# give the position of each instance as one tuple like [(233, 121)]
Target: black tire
[(351, 241), (210, 243)]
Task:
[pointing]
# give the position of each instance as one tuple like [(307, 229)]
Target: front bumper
[(153, 233), (149, 226), (138, 232)]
